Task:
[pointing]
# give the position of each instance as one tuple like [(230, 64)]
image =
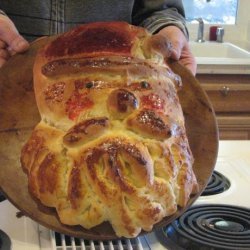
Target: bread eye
[(145, 85), (89, 85), (121, 103)]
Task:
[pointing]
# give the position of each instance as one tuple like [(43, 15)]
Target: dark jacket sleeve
[(157, 14)]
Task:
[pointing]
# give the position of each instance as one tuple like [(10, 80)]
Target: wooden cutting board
[(19, 115)]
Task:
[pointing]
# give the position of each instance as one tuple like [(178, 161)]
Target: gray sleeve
[(157, 14)]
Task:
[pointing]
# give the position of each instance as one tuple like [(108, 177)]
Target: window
[(212, 11)]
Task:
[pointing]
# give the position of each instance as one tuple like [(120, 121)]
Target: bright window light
[(212, 11)]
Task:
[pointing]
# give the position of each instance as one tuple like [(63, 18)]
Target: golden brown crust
[(84, 41), (111, 144), (150, 124), (85, 131)]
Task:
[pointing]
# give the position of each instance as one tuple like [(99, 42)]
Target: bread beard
[(111, 144)]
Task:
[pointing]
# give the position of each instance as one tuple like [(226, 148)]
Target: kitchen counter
[(235, 149), (220, 58), (222, 66)]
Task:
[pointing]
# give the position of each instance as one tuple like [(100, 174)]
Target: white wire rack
[(64, 242)]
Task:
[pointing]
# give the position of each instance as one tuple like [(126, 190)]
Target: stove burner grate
[(217, 184), (5, 243), (211, 227)]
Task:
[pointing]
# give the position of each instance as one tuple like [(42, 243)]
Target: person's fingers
[(11, 42), (161, 44), (176, 49), (2, 44), (4, 54), (2, 62), (18, 43), (190, 64), (10, 35), (188, 60), (176, 38), (180, 50)]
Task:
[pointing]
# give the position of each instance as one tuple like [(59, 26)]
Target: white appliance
[(233, 163)]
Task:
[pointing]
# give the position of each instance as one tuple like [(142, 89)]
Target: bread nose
[(121, 103)]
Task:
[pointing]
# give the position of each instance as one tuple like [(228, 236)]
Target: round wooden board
[(19, 115)]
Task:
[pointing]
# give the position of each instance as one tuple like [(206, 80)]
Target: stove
[(209, 227), (219, 219), (217, 184)]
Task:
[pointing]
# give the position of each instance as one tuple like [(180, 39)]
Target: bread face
[(111, 144)]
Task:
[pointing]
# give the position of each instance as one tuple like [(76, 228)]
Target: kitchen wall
[(238, 34)]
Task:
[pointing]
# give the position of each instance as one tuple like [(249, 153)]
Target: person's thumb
[(10, 35), (16, 43), (176, 50)]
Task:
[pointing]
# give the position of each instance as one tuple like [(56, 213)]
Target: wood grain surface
[(19, 115)]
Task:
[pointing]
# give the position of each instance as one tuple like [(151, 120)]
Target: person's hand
[(11, 42), (180, 49)]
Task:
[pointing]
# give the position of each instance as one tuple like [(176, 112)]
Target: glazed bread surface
[(111, 144)]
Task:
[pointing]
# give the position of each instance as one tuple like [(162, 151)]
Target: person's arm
[(11, 42), (166, 18), (157, 14)]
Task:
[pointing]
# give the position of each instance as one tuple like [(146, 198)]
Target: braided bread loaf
[(111, 144)]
